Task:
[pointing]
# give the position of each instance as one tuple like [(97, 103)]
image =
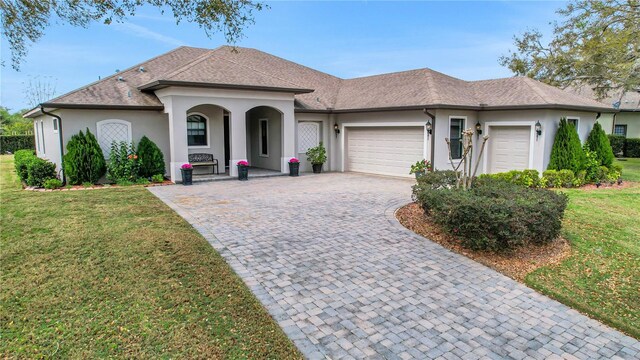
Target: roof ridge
[(182, 68), (263, 73), (431, 91), (536, 89), (118, 73)]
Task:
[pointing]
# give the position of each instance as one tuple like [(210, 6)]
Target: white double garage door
[(392, 150), (384, 150)]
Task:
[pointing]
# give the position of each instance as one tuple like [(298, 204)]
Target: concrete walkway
[(344, 279)]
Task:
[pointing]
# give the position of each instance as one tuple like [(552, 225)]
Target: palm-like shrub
[(567, 151), (84, 160), (598, 142), (150, 158)]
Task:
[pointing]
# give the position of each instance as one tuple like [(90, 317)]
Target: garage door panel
[(509, 148), (384, 150)]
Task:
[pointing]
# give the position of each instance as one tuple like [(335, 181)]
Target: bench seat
[(203, 159)]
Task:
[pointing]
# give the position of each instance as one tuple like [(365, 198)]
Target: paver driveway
[(328, 260)]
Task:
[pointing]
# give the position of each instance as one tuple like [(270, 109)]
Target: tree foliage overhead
[(25, 21), (596, 44)]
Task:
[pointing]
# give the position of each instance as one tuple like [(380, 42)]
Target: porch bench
[(202, 159)]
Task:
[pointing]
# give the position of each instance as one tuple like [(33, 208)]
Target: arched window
[(197, 130)]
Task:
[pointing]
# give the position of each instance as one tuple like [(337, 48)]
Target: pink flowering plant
[(186, 167), (422, 166), (294, 161), (243, 163)]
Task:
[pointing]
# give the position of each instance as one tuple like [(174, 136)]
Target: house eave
[(36, 111), (459, 107), (161, 84)]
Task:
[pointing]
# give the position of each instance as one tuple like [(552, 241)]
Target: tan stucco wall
[(153, 124), (632, 120)]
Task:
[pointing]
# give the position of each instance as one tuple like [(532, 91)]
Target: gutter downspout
[(431, 136), (60, 139)]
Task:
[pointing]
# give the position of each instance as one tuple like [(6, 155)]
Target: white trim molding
[(577, 119), (462, 129), (532, 140), (100, 132), (311, 123), (208, 131)]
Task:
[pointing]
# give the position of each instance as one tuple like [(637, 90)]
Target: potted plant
[(294, 166), (243, 170), (420, 167), (187, 174), (317, 157)]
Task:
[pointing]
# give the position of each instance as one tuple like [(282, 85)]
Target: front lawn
[(602, 275), (116, 273), (630, 168)]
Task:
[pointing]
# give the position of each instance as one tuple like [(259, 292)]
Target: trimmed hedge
[(39, 171), (84, 161), (617, 144), (21, 160), (632, 148), (150, 158), (494, 214), (13, 143)]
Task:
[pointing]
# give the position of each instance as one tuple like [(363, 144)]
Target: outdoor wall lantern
[(336, 129), (538, 129), (429, 127), (478, 128)]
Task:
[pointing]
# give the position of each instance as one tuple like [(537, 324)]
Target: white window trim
[(208, 123), (260, 121), (626, 129), (317, 126), (37, 135), (101, 123), (44, 147), (464, 124), (577, 122), (55, 125)]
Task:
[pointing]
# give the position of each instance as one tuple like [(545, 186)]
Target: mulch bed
[(624, 185), (515, 264)]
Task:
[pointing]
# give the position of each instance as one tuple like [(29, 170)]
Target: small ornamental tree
[(150, 158), (567, 151), (598, 142), (84, 161)]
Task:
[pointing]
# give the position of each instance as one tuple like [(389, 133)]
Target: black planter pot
[(243, 173), (294, 169), (317, 168), (187, 176)]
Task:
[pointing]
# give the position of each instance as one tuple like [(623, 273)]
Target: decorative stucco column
[(288, 138), (179, 151), (238, 135)]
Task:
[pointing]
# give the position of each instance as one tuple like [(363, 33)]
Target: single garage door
[(383, 150), (508, 148)]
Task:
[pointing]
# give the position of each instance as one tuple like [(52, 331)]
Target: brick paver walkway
[(326, 257)]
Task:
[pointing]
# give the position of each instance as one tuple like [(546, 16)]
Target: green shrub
[(52, 184), (123, 163), (84, 161), (317, 155), (528, 177), (566, 177), (598, 142), (591, 166), (40, 170), (580, 178), (552, 179), (495, 214), (632, 148), (150, 158), (617, 144), (437, 179), (567, 151), (21, 161), (9, 144), (157, 178)]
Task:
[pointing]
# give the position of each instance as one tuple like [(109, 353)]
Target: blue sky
[(346, 39)]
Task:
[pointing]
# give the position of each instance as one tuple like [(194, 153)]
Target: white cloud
[(146, 33)]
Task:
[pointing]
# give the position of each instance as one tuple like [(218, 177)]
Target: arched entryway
[(208, 133), (264, 138)]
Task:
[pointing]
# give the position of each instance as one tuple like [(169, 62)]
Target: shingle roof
[(629, 102), (243, 67)]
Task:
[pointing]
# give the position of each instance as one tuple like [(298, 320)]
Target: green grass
[(116, 273), (630, 169), (602, 276)]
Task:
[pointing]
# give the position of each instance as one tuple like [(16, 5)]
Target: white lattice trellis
[(113, 130), (308, 136)]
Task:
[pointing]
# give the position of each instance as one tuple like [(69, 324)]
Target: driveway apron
[(344, 279)]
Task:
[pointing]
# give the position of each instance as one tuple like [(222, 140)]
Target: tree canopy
[(25, 21), (597, 44), (13, 122)]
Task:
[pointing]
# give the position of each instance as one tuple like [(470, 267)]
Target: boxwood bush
[(39, 171), (632, 148), (617, 144), (495, 214), (21, 160)]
